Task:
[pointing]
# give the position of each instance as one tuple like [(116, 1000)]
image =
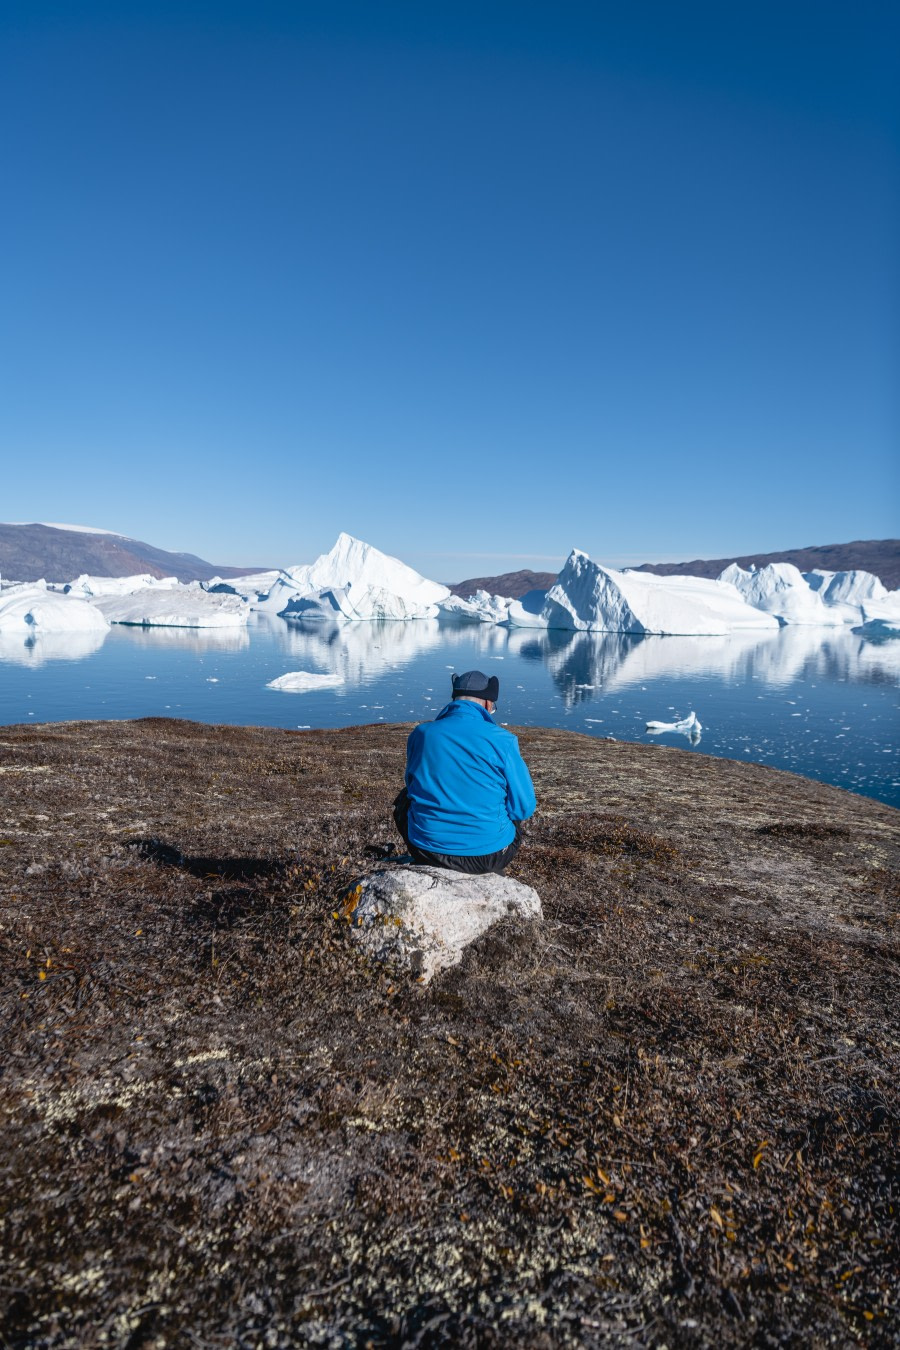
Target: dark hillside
[(880, 556), (32, 552), (667, 1115), (515, 584)]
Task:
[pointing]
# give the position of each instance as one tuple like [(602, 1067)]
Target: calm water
[(820, 702)]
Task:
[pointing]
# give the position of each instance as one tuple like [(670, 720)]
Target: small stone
[(421, 919)]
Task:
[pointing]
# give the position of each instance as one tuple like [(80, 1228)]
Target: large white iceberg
[(781, 589), (587, 596), (354, 581), (31, 609), (181, 607)]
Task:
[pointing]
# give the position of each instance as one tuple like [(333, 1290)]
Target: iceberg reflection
[(33, 649), (582, 664), (151, 638)]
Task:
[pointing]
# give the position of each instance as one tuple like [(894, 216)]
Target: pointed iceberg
[(587, 596), (354, 581)]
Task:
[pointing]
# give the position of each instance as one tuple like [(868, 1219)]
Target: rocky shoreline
[(666, 1115)]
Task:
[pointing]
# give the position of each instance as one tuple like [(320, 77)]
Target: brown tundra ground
[(665, 1116)]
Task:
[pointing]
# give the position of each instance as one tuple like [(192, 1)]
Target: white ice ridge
[(587, 596), (781, 589), (482, 607), (176, 607), (31, 609), (302, 681), (688, 726), (96, 586), (353, 581)]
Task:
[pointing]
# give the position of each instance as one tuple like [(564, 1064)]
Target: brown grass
[(666, 1115)]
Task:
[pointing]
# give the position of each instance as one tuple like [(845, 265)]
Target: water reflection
[(581, 664), (361, 652), (34, 649), (152, 638)]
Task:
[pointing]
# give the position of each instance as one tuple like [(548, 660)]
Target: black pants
[(474, 865)]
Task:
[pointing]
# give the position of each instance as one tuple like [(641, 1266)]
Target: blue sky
[(475, 282)]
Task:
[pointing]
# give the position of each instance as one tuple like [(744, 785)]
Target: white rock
[(422, 918)]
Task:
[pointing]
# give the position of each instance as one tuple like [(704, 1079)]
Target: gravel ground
[(665, 1116)]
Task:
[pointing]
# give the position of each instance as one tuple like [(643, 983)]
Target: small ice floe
[(212, 679), (302, 681), (688, 726)]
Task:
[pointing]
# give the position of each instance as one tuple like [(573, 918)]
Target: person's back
[(467, 786)]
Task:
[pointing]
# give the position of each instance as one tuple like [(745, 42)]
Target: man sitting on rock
[(467, 786)]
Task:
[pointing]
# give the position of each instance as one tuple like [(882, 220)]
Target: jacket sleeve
[(520, 799)]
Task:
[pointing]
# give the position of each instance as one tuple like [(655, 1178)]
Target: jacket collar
[(467, 708)]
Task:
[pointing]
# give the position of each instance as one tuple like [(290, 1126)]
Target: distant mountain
[(515, 584), (879, 556), (30, 552)]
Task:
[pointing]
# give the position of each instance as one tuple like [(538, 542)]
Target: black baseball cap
[(475, 684)]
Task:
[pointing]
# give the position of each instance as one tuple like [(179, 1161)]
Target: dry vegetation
[(666, 1116)]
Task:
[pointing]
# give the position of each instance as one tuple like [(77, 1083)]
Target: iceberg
[(782, 590), (481, 607), (95, 586), (879, 630), (302, 681), (179, 607), (688, 726), (354, 581), (589, 597), (252, 587), (31, 609), (845, 588)]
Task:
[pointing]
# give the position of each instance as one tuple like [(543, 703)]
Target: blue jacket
[(467, 783)]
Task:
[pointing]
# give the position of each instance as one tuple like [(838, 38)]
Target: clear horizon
[(462, 281)]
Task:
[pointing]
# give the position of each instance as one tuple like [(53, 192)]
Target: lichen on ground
[(667, 1115)]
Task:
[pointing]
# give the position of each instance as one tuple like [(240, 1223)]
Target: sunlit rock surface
[(421, 919)]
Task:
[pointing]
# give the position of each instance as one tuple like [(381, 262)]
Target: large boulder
[(421, 919)]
